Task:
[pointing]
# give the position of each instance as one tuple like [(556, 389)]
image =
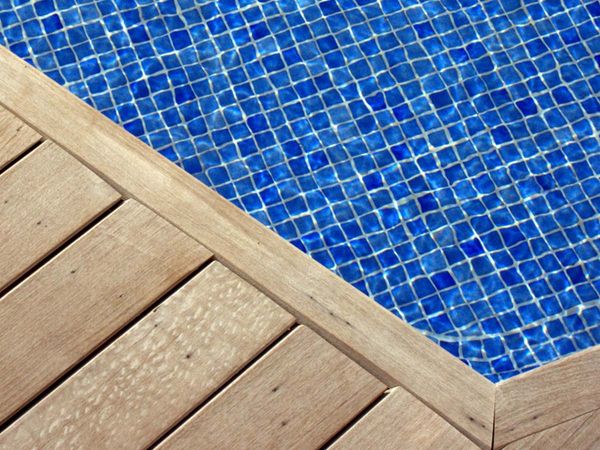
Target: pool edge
[(393, 351)]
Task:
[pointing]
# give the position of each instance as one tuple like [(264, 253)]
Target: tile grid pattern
[(441, 156)]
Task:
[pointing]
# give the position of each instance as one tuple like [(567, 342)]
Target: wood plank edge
[(5, 165), (337, 436), (524, 378), (101, 346), (476, 391), (355, 422), (526, 435), (22, 155), (492, 443), (232, 379), (68, 242)]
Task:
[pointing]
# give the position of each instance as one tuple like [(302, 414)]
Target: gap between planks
[(233, 269), (15, 137), (589, 414), (356, 419), (57, 251), (216, 257), (25, 153), (299, 395), (559, 435), (45, 198), (125, 195), (108, 342), (149, 378), (239, 372)]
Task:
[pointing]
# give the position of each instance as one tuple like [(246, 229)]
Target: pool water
[(442, 156)]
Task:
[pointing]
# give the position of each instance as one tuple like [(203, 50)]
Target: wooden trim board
[(547, 396), (580, 433), (391, 350), (367, 333)]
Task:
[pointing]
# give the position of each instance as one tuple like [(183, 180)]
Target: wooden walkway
[(140, 310)]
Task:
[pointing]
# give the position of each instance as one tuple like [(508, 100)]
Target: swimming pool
[(441, 156)]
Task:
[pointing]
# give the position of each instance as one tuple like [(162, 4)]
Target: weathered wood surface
[(587, 437), (296, 396), (580, 433), (401, 421), (85, 294), (169, 362), (44, 199), (547, 396), (15, 137), (396, 353)]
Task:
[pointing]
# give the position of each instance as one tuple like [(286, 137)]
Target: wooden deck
[(138, 309)]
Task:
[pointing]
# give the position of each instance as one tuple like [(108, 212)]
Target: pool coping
[(390, 349)]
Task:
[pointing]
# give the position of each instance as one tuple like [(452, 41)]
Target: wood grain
[(85, 294), (370, 335), (587, 437), (296, 396), (147, 380), (547, 396), (15, 137), (44, 200), (401, 421), (580, 433)]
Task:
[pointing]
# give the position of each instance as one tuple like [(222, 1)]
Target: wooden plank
[(402, 421), (146, 381), (44, 200), (588, 436), (547, 396), (15, 137), (375, 338), (85, 294), (580, 433), (296, 396)]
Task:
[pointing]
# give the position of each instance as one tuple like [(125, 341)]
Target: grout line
[(22, 155), (362, 413), (232, 379), (457, 399), (60, 248), (44, 393)]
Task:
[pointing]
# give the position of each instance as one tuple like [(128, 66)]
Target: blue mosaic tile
[(442, 156)]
